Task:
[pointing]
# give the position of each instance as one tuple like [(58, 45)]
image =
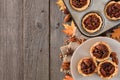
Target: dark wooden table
[(30, 37)]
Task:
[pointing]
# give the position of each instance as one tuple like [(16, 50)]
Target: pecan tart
[(112, 10), (100, 51), (79, 5), (92, 22), (87, 66), (107, 69)]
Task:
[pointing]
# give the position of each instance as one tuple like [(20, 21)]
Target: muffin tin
[(95, 6)]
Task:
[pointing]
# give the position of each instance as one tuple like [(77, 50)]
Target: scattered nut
[(66, 65), (66, 11), (69, 52), (113, 55), (67, 18)]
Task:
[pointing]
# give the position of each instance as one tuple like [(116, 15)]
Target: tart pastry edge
[(109, 3), (79, 67), (82, 8), (92, 47)]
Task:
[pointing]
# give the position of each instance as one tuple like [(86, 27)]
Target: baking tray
[(95, 6)]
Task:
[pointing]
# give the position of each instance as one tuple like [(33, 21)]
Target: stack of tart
[(102, 60)]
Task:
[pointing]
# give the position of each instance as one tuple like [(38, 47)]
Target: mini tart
[(80, 5), (107, 69), (87, 66), (100, 51), (112, 10), (92, 22)]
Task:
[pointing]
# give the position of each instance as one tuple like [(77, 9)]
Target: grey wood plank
[(56, 40), (36, 39), (11, 59)]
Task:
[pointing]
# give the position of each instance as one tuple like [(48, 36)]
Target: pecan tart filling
[(107, 69), (112, 10), (79, 5), (92, 22), (100, 51), (87, 66)]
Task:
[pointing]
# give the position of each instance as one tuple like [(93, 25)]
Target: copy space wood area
[(30, 37)]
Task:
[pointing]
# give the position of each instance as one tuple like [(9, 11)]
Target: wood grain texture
[(11, 59), (36, 39), (56, 40), (30, 37)]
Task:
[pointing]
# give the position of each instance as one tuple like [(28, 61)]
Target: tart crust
[(113, 18), (79, 66), (93, 47), (98, 28), (82, 8), (113, 74)]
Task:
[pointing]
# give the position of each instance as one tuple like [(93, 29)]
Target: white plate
[(83, 51)]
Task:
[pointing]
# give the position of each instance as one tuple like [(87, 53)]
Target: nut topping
[(107, 69), (100, 51), (88, 66), (79, 3), (113, 10), (92, 22)]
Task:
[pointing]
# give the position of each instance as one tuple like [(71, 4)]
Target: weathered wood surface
[(56, 40), (36, 39), (11, 46), (30, 37)]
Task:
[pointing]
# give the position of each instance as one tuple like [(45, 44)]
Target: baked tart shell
[(95, 30), (113, 18), (79, 67), (113, 74), (100, 59), (82, 8)]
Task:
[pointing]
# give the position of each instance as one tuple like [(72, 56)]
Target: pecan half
[(113, 55), (66, 11), (66, 65), (67, 18)]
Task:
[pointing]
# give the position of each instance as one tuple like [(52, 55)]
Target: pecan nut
[(67, 18)]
